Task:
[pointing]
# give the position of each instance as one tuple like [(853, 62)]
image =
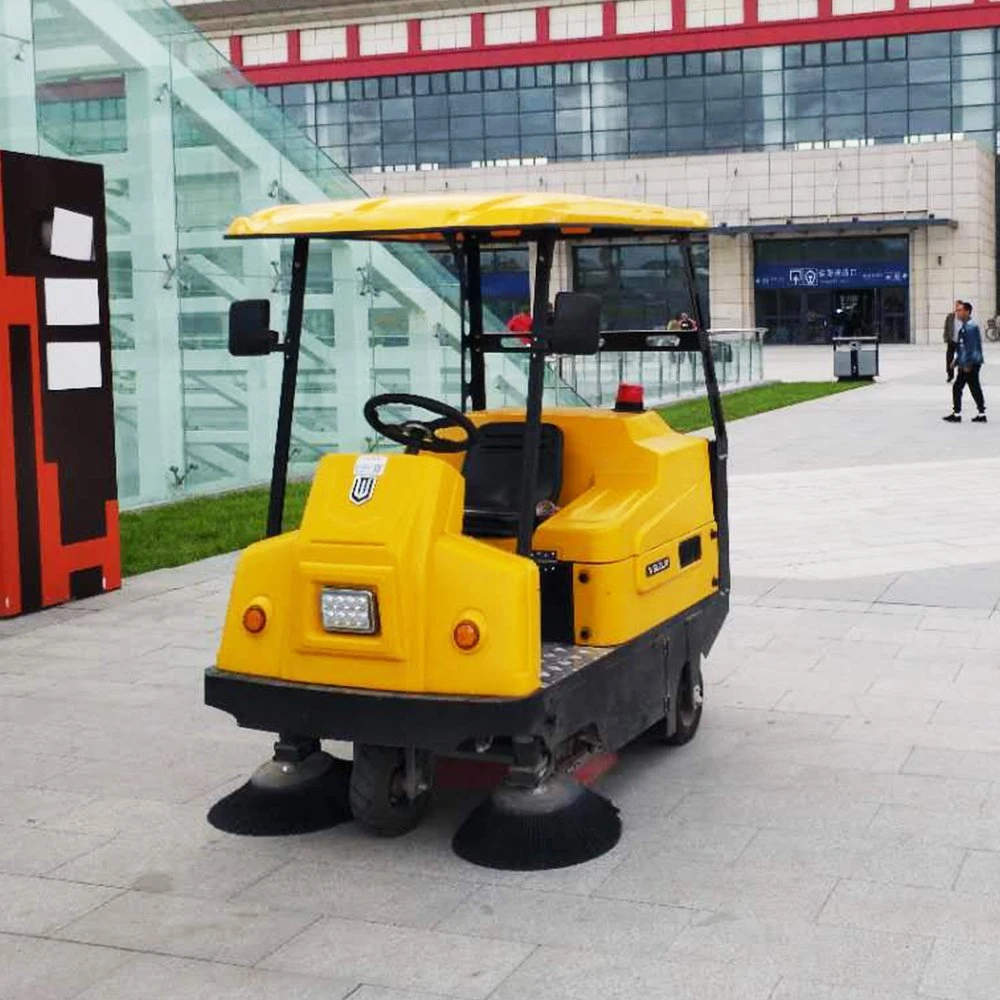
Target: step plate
[(559, 661)]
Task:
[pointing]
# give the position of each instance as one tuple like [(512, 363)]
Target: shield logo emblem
[(362, 489)]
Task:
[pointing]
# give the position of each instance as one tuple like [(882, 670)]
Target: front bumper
[(433, 722)]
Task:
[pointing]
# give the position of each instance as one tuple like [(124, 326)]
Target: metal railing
[(739, 361)]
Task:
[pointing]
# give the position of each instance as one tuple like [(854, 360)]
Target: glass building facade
[(187, 144), (905, 88)]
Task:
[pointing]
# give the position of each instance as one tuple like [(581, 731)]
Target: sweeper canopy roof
[(495, 217)]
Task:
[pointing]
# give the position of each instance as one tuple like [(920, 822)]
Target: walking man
[(949, 340), (968, 360)]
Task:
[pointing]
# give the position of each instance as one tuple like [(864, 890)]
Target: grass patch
[(180, 533), (693, 414)]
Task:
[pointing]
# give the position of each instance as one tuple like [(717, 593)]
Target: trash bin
[(855, 358)]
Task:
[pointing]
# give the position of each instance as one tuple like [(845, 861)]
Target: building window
[(714, 13), (859, 92), (787, 10), (585, 20), (637, 16), (223, 46), (511, 27), (264, 50), (641, 285), (847, 7), (383, 38), (446, 33), (323, 43)]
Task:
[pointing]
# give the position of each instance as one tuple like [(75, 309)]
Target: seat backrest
[(493, 467)]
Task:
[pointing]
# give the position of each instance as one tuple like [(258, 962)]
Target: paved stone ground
[(832, 834)]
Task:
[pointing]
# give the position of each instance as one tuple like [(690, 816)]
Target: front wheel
[(390, 788)]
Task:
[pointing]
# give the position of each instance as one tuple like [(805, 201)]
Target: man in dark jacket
[(949, 341), (968, 361)]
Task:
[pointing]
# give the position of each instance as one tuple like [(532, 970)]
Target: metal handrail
[(594, 380)]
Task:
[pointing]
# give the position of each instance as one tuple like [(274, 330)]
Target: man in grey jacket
[(968, 361), (949, 341)]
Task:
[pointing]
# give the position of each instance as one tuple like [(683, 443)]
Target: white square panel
[(72, 235), (72, 302), (74, 365)]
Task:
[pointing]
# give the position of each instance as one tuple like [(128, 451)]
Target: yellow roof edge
[(428, 218)]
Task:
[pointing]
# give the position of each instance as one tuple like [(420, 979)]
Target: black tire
[(379, 802), (690, 694)]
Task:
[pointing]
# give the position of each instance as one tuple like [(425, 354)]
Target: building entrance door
[(853, 313), (811, 290)]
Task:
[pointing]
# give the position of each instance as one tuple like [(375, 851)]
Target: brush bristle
[(555, 826), (254, 812)]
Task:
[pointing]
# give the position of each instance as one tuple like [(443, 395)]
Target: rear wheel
[(390, 788), (690, 695)]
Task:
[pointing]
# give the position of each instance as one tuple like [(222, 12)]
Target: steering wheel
[(421, 435)]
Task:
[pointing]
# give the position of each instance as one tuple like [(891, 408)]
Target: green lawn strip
[(179, 533), (693, 414)]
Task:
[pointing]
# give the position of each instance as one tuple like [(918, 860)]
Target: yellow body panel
[(406, 545), (633, 490), (428, 218)]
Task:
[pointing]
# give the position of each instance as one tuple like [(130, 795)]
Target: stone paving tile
[(567, 974), (179, 825), (154, 864), (980, 873), (41, 905), (39, 969), (21, 806), (865, 589), (807, 951), (763, 894), (880, 858), (402, 958), (969, 764), (187, 928), (920, 791), (364, 992), (858, 706), (358, 893), (962, 970), (783, 808), (156, 977), (938, 913), (27, 850), (970, 830), (619, 927), (798, 989)]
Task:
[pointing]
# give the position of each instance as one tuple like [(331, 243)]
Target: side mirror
[(576, 325), (250, 333)]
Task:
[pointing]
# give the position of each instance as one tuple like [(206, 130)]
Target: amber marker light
[(254, 619), (466, 635)]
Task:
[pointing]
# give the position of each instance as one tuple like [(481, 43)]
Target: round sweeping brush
[(557, 824), (283, 798)]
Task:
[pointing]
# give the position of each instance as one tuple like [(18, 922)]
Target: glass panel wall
[(868, 91), (187, 144)]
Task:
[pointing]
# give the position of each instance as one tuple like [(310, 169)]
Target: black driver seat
[(492, 470)]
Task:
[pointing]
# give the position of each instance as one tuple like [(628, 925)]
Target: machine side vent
[(689, 551)]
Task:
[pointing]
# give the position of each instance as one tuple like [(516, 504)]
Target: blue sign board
[(831, 275)]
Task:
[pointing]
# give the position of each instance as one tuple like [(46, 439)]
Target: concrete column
[(18, 123), (150, 170), (731, 291), (354, 353)]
